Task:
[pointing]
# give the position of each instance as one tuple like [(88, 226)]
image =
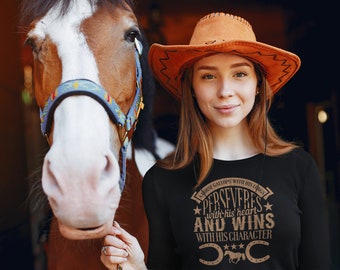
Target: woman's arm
[(314, 250), (162, 245)]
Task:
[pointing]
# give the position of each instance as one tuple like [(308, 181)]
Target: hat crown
[(221, 27)]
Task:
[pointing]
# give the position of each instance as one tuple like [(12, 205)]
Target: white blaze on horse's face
[(81, 171)]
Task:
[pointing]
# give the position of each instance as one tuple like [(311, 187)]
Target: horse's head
[(87, 85)]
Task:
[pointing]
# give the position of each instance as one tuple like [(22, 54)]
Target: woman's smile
[(227, 109)]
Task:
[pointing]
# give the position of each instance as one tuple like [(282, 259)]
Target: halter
[(126, 123)]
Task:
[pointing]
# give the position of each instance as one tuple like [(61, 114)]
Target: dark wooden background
[(305, 27)]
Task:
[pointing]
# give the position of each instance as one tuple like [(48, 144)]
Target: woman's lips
[(227, 108)]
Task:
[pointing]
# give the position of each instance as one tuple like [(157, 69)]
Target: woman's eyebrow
[(206, 67), (241, 64)]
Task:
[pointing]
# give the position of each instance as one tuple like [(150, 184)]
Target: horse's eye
[(132, 35), (35, 44), (30, 42)]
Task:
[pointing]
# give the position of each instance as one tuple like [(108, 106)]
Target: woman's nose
[(226, 89)]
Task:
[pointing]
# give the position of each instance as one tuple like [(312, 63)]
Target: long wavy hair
[(195, 139)]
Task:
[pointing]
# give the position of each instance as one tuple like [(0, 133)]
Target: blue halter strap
[(126, 123)]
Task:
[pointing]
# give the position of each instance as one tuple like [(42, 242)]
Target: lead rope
[(126, 123)]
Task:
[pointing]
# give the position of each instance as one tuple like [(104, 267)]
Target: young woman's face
[(225, 88)]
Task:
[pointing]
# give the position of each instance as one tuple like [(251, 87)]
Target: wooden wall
[(15, 233)]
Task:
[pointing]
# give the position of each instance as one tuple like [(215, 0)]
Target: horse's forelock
[(32, 9)]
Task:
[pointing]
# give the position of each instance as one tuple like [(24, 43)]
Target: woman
[(233, 195)]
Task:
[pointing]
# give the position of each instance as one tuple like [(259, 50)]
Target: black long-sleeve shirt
[(258, 213)]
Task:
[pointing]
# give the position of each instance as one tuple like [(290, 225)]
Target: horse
[(234, 257), (94, 92)]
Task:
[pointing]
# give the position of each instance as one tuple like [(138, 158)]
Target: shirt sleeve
[(314, 251), (161, 254)]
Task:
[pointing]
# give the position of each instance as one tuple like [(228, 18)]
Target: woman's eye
[(240, 74), (208, 76)]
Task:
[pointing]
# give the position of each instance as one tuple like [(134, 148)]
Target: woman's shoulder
[(298, 156), (160, 176), (299, 153), (160, 171)]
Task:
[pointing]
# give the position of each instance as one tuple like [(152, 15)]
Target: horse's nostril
[(111, 168), (49, 181), (108, 168)]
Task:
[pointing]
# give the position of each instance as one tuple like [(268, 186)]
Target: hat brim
[(168, 62)]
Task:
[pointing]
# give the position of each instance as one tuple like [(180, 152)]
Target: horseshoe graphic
[(219, 254), (251, 258)]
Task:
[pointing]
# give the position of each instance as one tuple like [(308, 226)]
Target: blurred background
[(306, 110)]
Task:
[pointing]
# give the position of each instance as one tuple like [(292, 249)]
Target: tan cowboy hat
[(221, 32)]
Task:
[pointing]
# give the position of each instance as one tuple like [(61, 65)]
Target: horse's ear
[(145, 134)]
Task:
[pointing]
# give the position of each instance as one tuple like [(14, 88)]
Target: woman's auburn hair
[(195, 139)]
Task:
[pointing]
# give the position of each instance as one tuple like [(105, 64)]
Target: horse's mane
[(32, 9)]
